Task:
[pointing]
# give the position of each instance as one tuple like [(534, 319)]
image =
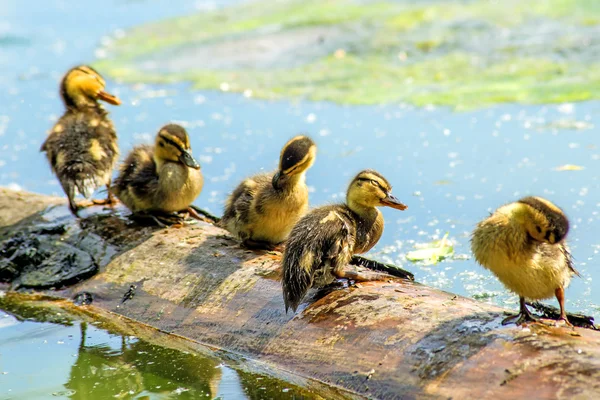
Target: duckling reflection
[(82, 146), (523, 244), (107, 368), (161, 180), (324, 240), (262, 210), (100, 371)]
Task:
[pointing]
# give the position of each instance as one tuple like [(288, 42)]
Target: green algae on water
[(432, 253), (452, 53)]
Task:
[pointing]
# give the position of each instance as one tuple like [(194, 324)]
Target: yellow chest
[(276, 220), (531, 269), (179, 187)]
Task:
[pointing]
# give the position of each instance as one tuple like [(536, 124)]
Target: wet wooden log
[(387, 340)]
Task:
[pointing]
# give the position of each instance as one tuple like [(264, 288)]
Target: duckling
[(325, 239), (262, 210), (162, 179), (523, 244), (82, 146)]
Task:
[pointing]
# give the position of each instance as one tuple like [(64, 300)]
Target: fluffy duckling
[(82, 146), (522, 243), (262, 210), (324, 240), (162, 179)]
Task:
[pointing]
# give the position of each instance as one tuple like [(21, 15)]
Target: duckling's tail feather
[(83, 177), (297, 279), (69, 190)]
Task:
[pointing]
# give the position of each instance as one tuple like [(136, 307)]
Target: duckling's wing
[(340, 240), (569, 259), (321, 242), (82, 150), (137, 183), (238, 207)]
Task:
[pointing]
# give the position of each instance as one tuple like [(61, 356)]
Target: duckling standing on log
[(324, 241), (82, 146), (262, 210), (161, 180), (523, 244)]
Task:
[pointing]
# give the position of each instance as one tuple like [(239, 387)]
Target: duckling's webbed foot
[(520, 319), (161, 219), (379, 266), (200, 214), (572, 319), (524, 316), (361, 276), (86, 203), (102, 202), (110, 200)]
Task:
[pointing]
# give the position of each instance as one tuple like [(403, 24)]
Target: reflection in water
[(257, 387), (138, 368), (95, 364), (101, 372)]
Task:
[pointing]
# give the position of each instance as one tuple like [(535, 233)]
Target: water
[(450, 168), (46, 354)]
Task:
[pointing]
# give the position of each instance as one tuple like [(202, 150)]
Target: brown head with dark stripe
[(546, 222), (370, 189), (173, 144), (297, 155), (83, 86)]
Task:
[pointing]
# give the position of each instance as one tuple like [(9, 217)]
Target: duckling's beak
[(109, 98), (187, 158), (393, 202)]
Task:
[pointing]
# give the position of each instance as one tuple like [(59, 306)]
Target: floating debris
[(432, 253), (569, 167), (566, 124), (339, 53)]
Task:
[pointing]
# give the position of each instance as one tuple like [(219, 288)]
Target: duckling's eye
[(538, 229), (374, 182), (161, 144)]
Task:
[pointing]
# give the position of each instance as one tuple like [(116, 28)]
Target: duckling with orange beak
[(323, 242), (82, 146)]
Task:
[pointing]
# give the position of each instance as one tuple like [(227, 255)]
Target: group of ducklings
[(522, 243)]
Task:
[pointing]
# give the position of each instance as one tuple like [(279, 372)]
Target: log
[(389, 340)]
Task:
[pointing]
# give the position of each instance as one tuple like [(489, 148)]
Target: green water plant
[(453, 53)]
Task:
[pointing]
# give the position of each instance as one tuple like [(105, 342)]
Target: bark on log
[(385, 340)]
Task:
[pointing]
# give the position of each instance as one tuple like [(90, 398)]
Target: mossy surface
[(455, 53)]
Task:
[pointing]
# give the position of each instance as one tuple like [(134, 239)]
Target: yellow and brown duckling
[(262, 210), (523, 244), (82, 146), (160, 180), (323, 242)]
